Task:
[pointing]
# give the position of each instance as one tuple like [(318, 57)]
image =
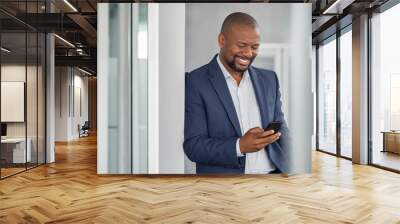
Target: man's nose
[(247, 52)]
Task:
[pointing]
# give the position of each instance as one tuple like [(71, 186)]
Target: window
[(327, 97), (346, 94), (385, 89)]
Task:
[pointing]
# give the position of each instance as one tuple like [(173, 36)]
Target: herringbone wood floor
[(69, 191)]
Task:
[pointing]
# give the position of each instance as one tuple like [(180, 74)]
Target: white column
[(360, 90), (50, 99)]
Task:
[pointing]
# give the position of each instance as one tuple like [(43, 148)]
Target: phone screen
[(275, 125)]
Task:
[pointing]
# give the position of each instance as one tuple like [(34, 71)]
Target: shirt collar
[(226, 73)]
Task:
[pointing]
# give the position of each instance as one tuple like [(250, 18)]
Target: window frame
[(334, 37)]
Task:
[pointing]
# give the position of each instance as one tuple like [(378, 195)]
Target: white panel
[(299, 91), (12, 101), (102, 90), (153, 138), (171, 86)]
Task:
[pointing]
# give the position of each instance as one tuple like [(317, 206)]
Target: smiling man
[(228, 103)]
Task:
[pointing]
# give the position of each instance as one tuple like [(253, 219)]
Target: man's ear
[(221, 40)]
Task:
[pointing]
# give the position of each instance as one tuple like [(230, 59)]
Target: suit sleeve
[(278, 114), (198, 146)]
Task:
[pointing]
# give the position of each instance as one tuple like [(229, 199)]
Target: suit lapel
[(261, 95), (219, 83)]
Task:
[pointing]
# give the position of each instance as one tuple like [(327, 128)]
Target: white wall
[(203, 23), (171, 87), (67, 80), (61, 103), (80, 82), (12, 73)]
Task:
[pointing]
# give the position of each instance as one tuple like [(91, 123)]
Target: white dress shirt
[(248, 113)]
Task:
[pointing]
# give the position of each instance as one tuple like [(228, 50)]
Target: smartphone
[(275, 125)]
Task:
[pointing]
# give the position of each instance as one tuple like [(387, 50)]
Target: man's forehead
[(239, 27), (243, 34)]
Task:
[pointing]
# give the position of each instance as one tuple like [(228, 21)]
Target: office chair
[(84, 130)]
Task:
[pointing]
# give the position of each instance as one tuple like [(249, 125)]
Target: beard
[(233, 66)]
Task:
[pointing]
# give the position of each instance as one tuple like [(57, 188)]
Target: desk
[(391, 141), (15, 148)]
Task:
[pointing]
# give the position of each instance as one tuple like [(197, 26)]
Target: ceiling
[(76, 22), (332, 15)]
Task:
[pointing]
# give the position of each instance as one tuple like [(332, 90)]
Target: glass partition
[(15, 151), (22, 87)]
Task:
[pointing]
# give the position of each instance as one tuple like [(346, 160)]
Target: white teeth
[(243, 60)]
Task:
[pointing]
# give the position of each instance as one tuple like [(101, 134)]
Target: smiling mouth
[(243, 61)]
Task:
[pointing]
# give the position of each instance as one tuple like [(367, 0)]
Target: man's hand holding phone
[(256, 139)]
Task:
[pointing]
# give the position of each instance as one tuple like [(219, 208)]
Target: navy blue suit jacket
[(212, 126)]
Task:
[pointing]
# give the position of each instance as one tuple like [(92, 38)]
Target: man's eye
[(254, 47)]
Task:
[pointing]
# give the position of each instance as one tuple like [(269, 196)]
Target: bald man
[(228, 103)]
